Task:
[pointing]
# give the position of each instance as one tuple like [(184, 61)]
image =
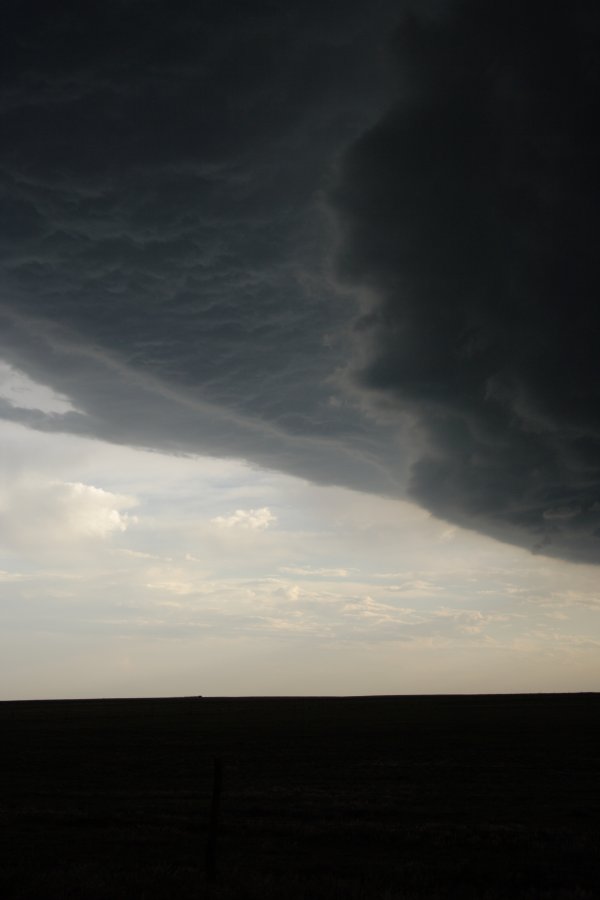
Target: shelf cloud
[(469, 216), (355, 246)]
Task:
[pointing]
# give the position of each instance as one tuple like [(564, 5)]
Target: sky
[(299, 381)]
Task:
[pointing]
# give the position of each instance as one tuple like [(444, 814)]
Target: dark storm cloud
[(164, 248), (161, 238), (469, 218)]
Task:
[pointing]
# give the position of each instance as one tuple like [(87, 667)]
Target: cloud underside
[(469, 216), (165, 253)]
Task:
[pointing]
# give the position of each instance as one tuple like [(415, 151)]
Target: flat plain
[(420, 798)]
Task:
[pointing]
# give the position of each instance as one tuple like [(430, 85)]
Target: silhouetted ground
[(386, 797)]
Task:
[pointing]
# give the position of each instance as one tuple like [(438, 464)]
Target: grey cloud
[(164, 255), (468, 218), (126, 404), (162, 243)]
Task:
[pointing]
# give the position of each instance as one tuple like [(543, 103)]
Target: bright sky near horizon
[(125, 572)]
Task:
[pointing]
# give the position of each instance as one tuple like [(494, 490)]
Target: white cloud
[(181, 588), (36, 514), (7, 577), (312, 571), (415, 588), (137, 554), (257, 519), (92, 511)]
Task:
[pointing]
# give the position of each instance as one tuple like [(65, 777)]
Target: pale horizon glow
[(125, 572)]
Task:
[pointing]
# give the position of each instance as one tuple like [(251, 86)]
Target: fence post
[(213, 824)]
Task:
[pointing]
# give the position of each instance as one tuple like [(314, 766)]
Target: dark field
[(389, 797)]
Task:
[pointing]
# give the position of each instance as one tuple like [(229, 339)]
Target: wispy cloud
[(255, 519)]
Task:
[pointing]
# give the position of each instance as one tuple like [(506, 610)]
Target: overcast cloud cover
[(352, 243)]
